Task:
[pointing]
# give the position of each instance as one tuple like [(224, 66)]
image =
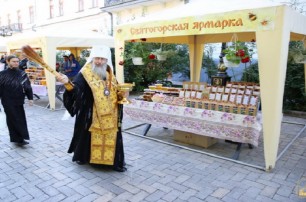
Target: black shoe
[(80, 162), (120, 169), (22, 143)]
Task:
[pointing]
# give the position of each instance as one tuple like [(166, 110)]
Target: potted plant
[(136, 53), (235, 54), (162, 55)]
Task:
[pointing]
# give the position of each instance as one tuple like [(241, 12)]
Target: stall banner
[(234, 21)]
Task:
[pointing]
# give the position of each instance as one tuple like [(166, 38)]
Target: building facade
[(19, 16)]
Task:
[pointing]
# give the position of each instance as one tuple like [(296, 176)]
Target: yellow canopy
[(271, 25), (49, 43)]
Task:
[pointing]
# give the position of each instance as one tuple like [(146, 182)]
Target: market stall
[(271, 25), (49, 43)]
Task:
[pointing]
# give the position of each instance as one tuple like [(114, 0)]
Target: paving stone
[(194, 199), (4, 193), (177, 186), (280, 198), (106, 197), (162, 187), (172, 195), (284, 191), (146, 188), (212, 199), (51, 191), (62, 182), (181, 178), (130, 188), (138, 197), (98, 189), (34, 191), (253, 192), (67, 191), (157, 195), (24, 198), (82, 190), (112, 188), (89, 197), (269, 191), (264, 198), (220, 193), (188, 194), (122, 197)]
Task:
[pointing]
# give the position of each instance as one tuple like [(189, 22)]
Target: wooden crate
[(193, 139)]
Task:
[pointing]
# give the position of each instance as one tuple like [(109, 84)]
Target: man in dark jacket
[(14, 86)]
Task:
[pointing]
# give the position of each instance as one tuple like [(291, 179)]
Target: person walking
[(14, 86), (97, 137)]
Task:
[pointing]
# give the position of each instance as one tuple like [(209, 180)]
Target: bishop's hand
[(62, 78)]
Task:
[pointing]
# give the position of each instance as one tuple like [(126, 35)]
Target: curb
[(299, 114)]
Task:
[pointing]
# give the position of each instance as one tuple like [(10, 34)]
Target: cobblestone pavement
[(43, 170)]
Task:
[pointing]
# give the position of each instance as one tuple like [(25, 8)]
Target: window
[(81, 5), (95, 3), (51, 7), (31, 12), (18, 16), (61, 7)]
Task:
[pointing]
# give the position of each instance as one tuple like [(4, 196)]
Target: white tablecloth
[(39, 90), (222, 125)]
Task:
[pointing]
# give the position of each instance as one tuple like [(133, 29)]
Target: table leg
[(36, 96), (237, 152), (146, 130)]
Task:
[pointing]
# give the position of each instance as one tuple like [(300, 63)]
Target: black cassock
[(14, 86), (79, 102)]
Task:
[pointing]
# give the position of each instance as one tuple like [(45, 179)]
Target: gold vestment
[(104, 125)]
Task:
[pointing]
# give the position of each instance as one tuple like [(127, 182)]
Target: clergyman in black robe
[(14, 86), (97, 137)]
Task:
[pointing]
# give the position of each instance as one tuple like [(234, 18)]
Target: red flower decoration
[(245, 59), (133, 40), (240, 53), (151, 56), (253, 40), (143, 39), (121, 63)]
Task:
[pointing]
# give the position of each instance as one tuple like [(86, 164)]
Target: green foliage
[(152, 69), (295, 96), (294, 92), (208, 63), (297, 52), (251, 74)]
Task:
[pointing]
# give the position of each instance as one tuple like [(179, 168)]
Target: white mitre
[(101, 52)]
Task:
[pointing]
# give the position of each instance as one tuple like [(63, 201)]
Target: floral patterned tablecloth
[(222, 125)]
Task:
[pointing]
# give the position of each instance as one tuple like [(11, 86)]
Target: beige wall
[(140, 11)]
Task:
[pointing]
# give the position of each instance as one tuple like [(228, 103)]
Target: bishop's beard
[(100, 70)]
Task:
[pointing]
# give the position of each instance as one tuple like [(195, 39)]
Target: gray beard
[(100, 70)]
